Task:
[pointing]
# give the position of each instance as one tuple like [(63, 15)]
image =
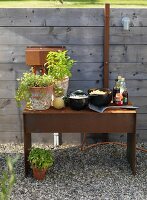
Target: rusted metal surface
[(70, 121), (106, 45), (36, 55)]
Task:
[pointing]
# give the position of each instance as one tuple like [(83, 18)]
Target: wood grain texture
[(135, 35), (64, 17), (137, 16), (51, 35), (51, 17), (135, 87), (131, 71), (11, 137), (7, 75), (9, 107), (16, 53), (83, 53), (70, 35), (7, 89), (10, 123), (141, 122), (141, 102), (87, 71), (81, 31)]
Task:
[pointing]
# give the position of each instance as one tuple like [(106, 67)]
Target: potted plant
[(40, 160), (59, 66), (35, 90)]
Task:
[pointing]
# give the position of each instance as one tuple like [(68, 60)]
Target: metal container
[(36, 55)]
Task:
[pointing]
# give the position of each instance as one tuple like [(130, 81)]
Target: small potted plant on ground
[(40, 160), (59, 66), (35, 90)]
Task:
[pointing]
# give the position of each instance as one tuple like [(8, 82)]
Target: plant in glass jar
[(35, 90), (59, 66)]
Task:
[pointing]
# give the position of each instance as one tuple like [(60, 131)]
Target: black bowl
[(78, 100), (101, 99)]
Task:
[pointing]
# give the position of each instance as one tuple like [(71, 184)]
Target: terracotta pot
[(39, 174), (41, 97)]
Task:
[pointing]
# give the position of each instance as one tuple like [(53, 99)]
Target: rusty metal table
[(85, 121)]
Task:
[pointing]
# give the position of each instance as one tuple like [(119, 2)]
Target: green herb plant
[(28, 80), (40, 158), (59, 64)]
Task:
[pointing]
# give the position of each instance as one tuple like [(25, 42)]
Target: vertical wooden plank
[(106, 45)]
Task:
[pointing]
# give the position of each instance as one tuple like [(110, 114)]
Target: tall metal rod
[(106, 45)]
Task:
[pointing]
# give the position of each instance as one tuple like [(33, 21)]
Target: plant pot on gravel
[(40, 160)]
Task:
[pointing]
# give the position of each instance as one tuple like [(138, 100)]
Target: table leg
[(131, 151), (27, 146)]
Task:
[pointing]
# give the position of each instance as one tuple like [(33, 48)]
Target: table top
[(68, 110)]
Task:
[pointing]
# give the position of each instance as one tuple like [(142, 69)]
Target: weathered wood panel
[(14, 67), (135, 35), (139, 101), (135, 87), (94, 71), (128, 70), (17, 137), (137, 16), (64, 17), (51, 17), (43, 137), (7, 89), (10, 136), (141, 136), (7, 75), (10, 123), (83, 53), (141, 121), (128, 53), (16, 53), (83, 71), (87, 71), (8, 107), (70, 35), (51, 35)]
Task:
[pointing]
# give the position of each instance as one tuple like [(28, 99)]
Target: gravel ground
[(100, 173)]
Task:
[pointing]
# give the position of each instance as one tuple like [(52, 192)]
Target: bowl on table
[(100, 97), (78, 100)]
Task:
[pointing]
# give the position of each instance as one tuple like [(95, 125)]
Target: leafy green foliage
[(40, 158), (59, 64), (29, 80), (8, 179)]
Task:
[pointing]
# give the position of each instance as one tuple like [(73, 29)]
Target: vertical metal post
[(105, 136), (106, 45)]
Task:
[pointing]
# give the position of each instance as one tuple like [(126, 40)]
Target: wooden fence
[(81, 31)]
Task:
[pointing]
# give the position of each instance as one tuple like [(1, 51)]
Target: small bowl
[(78, 100), (100, 97)]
